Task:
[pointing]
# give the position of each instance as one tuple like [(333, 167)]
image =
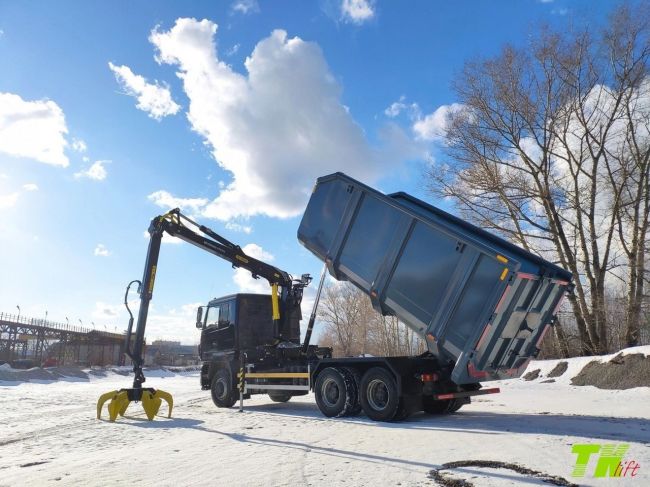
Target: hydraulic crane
[(286, 295)]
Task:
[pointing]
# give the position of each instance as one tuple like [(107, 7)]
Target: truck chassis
[(384, 388)]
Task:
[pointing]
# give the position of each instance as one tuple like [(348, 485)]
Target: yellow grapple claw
[(167, 397), (151, 404), (102, 399), (119, 401), (125, 404)]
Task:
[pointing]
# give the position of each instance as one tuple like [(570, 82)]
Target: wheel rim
[(330, 392), (220, 388), (378, 395)]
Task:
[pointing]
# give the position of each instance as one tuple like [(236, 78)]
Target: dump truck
[(481, 304)]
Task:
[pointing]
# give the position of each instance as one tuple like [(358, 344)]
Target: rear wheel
[(379, 394), (330, 391), (224, 394), (280, 397), (353, 384), (407, 406), (446, 406)]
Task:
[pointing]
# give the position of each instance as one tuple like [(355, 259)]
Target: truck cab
[(235, 322), (241, 326)]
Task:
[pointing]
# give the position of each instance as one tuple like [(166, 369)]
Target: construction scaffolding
[(44, 342)]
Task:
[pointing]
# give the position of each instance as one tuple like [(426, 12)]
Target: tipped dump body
[(480, 302)]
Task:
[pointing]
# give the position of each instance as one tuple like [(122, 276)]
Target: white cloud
[(434, 126), (400, 106), (101, 251), (394, 109), (243, 278), (357, 11), (238, 227), (33, 129), (175, 324), (275, 129), (155, 99), (106, 311), (245, 7), (168, 201), (8, 200), (96, 172), (233, 50), (79, 145)]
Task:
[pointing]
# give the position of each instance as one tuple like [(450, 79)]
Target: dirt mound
[(621, 372), (558, 370), (532, 375)]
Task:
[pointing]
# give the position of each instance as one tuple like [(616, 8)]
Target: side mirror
[(199, 317)]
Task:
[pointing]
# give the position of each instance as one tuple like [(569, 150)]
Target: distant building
[(167, 352)]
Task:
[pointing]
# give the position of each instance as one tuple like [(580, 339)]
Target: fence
[(38, 341)]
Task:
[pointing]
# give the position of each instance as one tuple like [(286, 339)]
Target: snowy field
[(49, 436)]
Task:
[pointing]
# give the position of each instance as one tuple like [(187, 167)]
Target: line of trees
[(352, 327), (551, 149)]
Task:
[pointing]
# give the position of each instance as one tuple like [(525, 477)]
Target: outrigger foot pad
[(151, 400)]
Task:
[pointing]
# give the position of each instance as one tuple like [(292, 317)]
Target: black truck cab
[(235, 322)]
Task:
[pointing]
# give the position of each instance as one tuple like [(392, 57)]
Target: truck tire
[(407, 406), (353, 384), (332, 392), (222, 389), (380, 398), (280, 397)]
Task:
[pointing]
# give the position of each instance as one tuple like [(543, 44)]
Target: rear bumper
[(459, 395)]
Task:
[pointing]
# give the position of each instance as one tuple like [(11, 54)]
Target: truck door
[(220, 326)]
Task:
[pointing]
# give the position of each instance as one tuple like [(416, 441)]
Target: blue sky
[(112, 112)]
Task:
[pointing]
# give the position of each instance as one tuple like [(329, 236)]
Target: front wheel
[(379, 394), (279, 397), (224, 394)]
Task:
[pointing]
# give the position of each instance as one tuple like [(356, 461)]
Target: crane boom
[(178, 225)]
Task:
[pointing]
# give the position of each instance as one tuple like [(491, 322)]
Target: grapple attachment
[(120, 399)]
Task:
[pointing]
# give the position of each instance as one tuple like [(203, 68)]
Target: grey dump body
[(481, 303)]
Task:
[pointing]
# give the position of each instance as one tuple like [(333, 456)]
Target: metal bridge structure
[(46, 342)]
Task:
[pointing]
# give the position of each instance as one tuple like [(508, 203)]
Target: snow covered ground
[(49, 436)]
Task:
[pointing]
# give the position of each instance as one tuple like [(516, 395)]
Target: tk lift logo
[(610, 461)]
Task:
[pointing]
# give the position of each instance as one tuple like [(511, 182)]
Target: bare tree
[(353, 327), (551, 151), (345, 312)]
